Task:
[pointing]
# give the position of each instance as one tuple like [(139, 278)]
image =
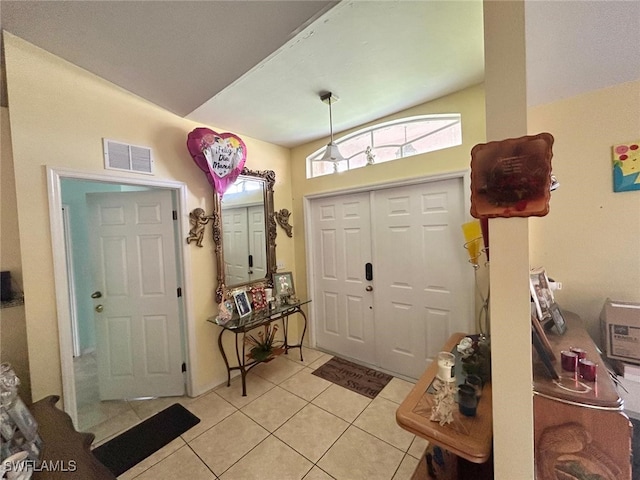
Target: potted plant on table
[(475, 353), (264, 346)]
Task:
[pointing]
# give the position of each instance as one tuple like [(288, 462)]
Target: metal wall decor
[(282, 217), (197, 220)]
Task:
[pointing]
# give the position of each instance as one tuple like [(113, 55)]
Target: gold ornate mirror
[(244, 231)]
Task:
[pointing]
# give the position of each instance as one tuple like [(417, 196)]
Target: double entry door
[(390, 276)]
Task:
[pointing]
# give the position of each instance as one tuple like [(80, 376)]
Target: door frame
[(464, 175), (73, 313), (63, 309)]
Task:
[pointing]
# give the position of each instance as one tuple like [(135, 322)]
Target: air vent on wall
[(132, 158)]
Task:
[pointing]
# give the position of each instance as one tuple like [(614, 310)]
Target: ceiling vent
[(131, 158)]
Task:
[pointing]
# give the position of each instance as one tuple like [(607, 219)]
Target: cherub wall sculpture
[(197, 220)]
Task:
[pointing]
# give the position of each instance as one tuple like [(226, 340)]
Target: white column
[(506, 113)]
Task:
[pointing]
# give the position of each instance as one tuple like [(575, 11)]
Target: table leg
[(224, 357), (241, 364), (285, 325)]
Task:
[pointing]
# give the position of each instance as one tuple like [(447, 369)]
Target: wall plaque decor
[(626, 167), (512, 177)]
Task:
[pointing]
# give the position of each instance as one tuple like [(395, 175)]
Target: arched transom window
[(390, 141)]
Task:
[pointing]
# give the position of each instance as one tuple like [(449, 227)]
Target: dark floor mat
[(131, 447)]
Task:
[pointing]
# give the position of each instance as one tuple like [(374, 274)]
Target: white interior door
[(138, 335), (344, 307), (236, 242), (420, 290), (257, 242), (420, 264)]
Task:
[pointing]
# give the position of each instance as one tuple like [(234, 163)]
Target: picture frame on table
[(558, 321), (258, 297), (541, 293), (243, 305), (536, 339), (544, 341), (283, 284)]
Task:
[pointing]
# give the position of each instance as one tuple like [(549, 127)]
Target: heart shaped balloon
[(221, 156)]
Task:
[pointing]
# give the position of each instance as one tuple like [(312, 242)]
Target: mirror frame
[(269, 179)]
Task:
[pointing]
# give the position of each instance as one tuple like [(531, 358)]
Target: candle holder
[(569, 360), (587, 370), (446, 367)]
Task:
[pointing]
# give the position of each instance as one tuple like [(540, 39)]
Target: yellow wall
[(59, 115), (13, 328), (590, 241), (469, 103)]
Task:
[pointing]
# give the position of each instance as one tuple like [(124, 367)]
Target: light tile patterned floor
[(291, 425)]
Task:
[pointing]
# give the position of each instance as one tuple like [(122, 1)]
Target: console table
[(579, 427), (241, 325)]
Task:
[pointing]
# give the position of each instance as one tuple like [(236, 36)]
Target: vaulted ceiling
[(257, 68)]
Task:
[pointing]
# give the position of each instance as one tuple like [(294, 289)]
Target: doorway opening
[(75, 311)]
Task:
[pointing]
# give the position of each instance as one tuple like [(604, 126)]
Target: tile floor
[(291, 425)]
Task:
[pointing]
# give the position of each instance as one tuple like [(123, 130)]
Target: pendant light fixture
[(331, 154)]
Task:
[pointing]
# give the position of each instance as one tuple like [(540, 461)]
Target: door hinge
[(179, 292), (175, 214), (184, 367)]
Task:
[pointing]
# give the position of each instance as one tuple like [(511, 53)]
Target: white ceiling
[(257, 68)]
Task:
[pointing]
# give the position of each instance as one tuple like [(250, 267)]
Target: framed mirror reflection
[(244, 231)]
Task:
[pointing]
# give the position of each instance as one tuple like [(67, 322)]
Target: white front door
[(420, 289), (138, 334), (420, 267), (343, 306)]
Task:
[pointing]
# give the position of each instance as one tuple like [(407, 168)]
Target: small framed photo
[(541, 293), (242, 303), (559, 322), (283, 284), (258, 297)]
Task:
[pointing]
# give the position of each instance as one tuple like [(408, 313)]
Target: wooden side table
[(469, 438), (66, 452)]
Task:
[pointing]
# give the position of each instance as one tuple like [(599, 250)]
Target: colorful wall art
[(626, 167)]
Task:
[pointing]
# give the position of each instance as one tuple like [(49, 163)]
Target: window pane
[(393, 135), (385, 154), (445, 138), (321, 168), (358, 161), (355, 144), (392, 140)]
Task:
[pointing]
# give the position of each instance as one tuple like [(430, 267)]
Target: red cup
[(581, 353), (569, 360), (587, 370)]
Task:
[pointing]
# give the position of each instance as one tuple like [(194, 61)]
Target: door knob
[(99, 308), (96, 295), (369, 288)]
